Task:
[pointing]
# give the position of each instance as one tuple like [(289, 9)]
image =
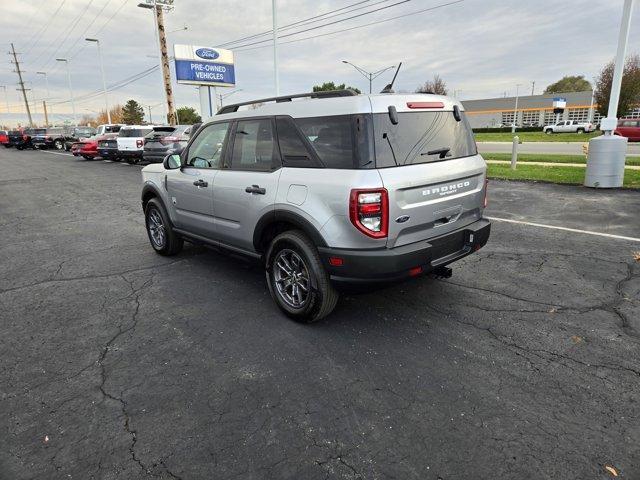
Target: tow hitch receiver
[(442, 272)]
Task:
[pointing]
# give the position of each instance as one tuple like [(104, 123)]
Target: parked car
[(22, 138), (4, 138), (78, 134), (108, 147), (165, 140), (51, 137), (334, 189), (569, 126), (109, 128), (86, 148), (131, 142), (629, 128)]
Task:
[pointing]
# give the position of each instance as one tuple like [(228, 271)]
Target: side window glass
[(293, 149), (206, 149), (254, 147)]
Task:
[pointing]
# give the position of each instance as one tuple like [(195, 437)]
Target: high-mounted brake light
[(425, 104), (369, 211)]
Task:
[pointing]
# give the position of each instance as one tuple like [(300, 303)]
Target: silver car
[(326, 189)]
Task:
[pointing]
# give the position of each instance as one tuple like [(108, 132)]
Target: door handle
[(200, 183), (256, 190)]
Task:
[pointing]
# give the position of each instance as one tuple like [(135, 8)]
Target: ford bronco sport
[(327, 189)]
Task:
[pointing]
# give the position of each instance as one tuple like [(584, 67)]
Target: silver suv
[(326, 189)]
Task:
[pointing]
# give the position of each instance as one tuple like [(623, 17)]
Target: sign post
[(205, 67)]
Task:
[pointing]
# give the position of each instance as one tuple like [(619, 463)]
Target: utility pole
[(275, 46), (158, 7), (150, 117), (533, 87), (21, 83), (104, 81), (166, 73), (46, 81), (46, 117)]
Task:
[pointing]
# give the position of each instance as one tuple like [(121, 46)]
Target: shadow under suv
[(327, 189)]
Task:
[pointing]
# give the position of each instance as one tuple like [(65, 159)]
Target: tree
[(116, 115), (569, 83), (329, 86), (132, 113), (188, 116), (88, 120), (437, 86), (629, 91)]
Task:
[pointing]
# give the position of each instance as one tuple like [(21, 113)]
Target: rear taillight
[(486, 188), (139, 143), (168, 140), (369, 211), (25, 137)]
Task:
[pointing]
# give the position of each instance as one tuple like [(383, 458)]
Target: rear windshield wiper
[(443, 152), (386, 137)]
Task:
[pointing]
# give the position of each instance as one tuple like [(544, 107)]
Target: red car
[(4, 138), (630, 128), (87, 148)]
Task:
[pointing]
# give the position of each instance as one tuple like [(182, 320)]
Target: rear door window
[(295, 151), (254, 146), (421, 137)]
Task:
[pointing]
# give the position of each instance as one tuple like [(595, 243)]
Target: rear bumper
[(388, 265), (153, 157), (130, 153), (108, 153)]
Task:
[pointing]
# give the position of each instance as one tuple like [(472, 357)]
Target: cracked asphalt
[(117, 363)]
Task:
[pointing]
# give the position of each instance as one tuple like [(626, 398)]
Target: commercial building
[(533, 110)]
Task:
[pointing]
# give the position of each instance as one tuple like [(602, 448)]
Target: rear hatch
[(132, 139), (38, 136), (430, 167), (160, 139)]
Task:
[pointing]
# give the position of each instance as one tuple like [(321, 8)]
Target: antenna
[(389, 88)]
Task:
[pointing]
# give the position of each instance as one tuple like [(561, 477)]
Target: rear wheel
[(580, 130), (161, 235), (548, 131), (58, 144), (297, 281)]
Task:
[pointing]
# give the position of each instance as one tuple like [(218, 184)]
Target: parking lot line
[(57, 153), (565, 229)]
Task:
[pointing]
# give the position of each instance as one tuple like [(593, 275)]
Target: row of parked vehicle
[(116, 142)]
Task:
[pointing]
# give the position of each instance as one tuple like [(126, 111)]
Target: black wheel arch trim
[(290, 217), (150, 188)]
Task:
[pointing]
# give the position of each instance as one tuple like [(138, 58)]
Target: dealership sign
[(204, 66)]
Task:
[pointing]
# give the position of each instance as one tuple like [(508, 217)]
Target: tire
[(58, 145), (167, 242), (7, 146), (580, 131), (19, 148), (320, 299), (548, 131), (87, 157)]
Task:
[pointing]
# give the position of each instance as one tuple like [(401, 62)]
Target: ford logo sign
[(207, 53)]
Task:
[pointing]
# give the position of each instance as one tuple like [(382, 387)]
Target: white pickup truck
[(569, 126)]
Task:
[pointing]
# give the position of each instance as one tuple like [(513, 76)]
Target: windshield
[(85, 131), (421, 137)]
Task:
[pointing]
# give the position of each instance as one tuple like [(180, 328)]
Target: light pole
[(515, 110), (225, 95), (46, 107), (276, 77), (158, 7), (73, 104), (607, 153), (369, 75), (104, 81)]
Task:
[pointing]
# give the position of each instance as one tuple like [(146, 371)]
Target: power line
[(34, 40), (358, 26), (327, 24), (306, 20), (82, 35)]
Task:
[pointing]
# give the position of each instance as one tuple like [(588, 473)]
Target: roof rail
[(287, 98)]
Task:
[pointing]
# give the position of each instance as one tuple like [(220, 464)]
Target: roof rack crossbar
[(287, 98)]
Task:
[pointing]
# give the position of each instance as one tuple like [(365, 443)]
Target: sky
[(481, 48)]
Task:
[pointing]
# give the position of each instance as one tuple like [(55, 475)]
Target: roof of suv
[(341, 105)]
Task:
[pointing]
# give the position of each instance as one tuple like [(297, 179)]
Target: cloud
[(481, 47)]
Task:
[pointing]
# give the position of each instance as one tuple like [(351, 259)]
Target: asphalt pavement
[(557, 148), (117, 363)]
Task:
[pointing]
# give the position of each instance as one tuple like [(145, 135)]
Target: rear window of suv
[(421, 137), (134, 132)]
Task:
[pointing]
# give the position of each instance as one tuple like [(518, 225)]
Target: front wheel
[(297, 281), (548, 132), (161, 235), (580, 131)]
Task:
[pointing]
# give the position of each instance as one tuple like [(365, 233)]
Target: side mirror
[(172, 162)]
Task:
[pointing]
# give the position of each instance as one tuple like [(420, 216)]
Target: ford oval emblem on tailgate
[(403, 218)]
